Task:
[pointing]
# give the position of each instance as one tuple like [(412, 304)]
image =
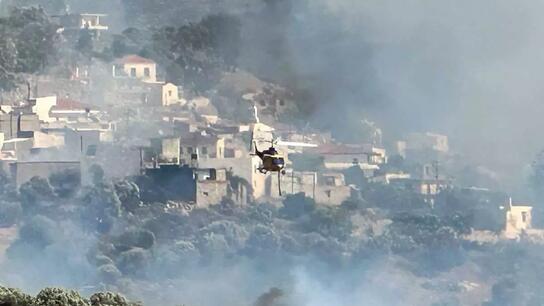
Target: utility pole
[(293, 181), (127, 118)]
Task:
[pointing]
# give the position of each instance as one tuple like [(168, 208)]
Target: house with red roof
[(136, 81), (137, 67)]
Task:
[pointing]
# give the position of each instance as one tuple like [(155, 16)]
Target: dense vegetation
[(105, 235), (27, 44), (58, 296)]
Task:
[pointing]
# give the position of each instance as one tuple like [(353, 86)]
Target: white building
[(518, 220), (137, 67)]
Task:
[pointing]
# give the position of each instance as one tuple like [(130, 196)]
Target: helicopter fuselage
[(272, 163)]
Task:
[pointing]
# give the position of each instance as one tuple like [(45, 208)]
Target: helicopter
[(271, 159)]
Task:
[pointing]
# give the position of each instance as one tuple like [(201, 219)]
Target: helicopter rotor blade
[(296, 144)]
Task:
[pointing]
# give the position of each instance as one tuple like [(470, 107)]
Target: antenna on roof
[(256, 113), (28, 91)]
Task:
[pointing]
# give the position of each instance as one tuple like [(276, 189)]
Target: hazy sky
[(471, 69)]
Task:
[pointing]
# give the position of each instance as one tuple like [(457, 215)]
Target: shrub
[(58, 296)]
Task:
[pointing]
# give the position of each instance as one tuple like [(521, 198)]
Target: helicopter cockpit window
[(279, 161)]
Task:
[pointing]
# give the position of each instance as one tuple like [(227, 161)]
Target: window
[(133, 72), (205, 193), (118, 70), (524, 216), (328, 192), (169, 93), (189, 150), (180, 150), (204, 151), (91, 150), (146, 72), (427, 170)]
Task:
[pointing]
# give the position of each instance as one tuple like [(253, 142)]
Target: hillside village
[(142, 125), (158, 168)]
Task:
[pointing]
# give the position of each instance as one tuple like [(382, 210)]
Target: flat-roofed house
[(518, 220), (73, 23)]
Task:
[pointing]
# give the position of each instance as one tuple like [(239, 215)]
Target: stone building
[(325, 188), (211, 186)]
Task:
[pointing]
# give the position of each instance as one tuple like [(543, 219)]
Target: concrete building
[(20, 147), (116, 159), (423, 146), (344, 156), (68, 110), (325, 188), (137, 67), (203, 108), (518, 220), (418, 141), (202, 187), (211, 186), (141, 92), (83, 21), (47, 86), (42, 106), (48, 140), (203, 146), (22, 172), (388, 178), (19, 125), (188, 149), (73, 24), (170, 95), (166, 150), (211, 152), (428, 182)]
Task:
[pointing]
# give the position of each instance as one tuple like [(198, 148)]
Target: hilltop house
[(518, 220), (134, 66), (136, 81), (423, 146)]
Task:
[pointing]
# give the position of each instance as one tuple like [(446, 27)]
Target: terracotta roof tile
[(135, 59)]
